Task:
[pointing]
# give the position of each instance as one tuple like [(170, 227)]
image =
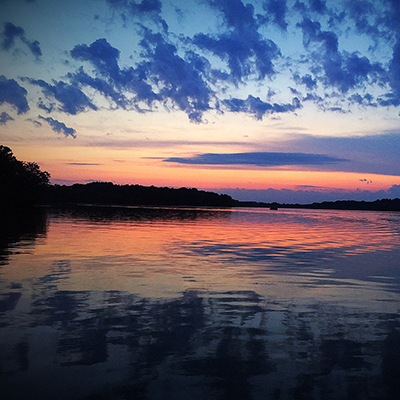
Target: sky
[(292, 101)]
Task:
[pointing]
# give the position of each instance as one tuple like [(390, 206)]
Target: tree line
[(24, 184)]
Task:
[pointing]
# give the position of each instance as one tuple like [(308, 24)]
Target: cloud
[(257, 107), (82, 163), (11, 32), (162, 76), (105, 88), (180, 79), (101, 55), (35, 122), (276, 10), (318, 6), (341, 70), (58, 126), (145, 8), (72, 100), (14, 94), (307, 80), (241, 46), (4, 118), (260, 159)]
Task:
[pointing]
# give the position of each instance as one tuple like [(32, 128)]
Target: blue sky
[(265, 98)]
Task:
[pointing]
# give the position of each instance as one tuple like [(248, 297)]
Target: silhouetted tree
[(21, 183)]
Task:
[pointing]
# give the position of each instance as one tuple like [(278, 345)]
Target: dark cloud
[(82, 163), (4, 118), (101, 85), (261, 159), (341, 70), (111, 81), (241, 46), (72, 100), (178, 79), (306, 80), (257, 107), (318, 6), (245, 53), (162, 76), (145, 8), (276, 11), (236, 14), (363, 100), (58, 126), (14, 94), (11, 32), (102, 55), (361, 12)]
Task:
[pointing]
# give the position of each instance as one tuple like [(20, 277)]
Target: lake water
[(130, 303)]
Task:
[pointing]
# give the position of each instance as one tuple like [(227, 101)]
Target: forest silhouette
[(23, 185)]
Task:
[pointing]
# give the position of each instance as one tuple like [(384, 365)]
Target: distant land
[(107, 193)]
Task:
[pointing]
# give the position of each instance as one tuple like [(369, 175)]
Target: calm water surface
[(127, 303)]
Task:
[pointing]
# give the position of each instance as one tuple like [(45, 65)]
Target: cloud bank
[(260, 159)]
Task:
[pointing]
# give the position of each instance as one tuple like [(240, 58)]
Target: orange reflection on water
[(160, 253)]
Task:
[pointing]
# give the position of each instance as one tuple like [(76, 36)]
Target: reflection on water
[(201, 304)]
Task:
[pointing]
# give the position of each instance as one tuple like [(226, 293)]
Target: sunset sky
[(269, 100)]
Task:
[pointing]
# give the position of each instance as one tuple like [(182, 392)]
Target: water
[(128, 303)]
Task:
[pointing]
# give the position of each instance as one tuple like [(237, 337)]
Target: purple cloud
[(260, 159)]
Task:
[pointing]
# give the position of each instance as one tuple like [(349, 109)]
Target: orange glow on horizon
[(128, 166)]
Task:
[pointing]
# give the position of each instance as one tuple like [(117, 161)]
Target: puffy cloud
[(276, 11), (145, 8), (162, 75), (257, 107), (101, 85), (246, 53), (58, 126), (113, 81), (236, 14), (306, 80), (4, 118), (178, 79), (72, 100), (11, 32), (14, 94), (261, 159), (101, 54), (341, 70), (318, 6), (241, 46)]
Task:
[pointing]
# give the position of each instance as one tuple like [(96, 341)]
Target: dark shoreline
[(377, 205), (107, 193)]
